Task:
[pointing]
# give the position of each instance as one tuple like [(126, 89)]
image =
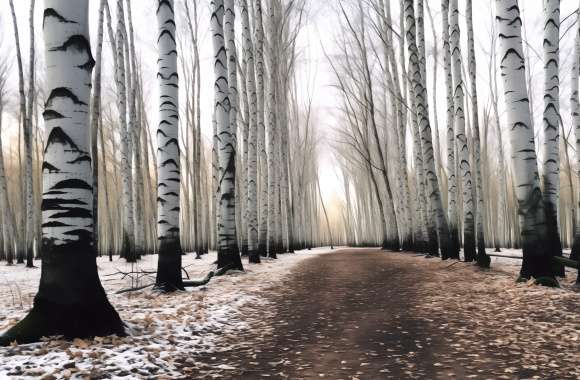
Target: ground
[(352, 314)]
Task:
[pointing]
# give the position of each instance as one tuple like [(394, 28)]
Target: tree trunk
[(252, 200), (575, 110), (70, 299), (551, 146), (228, 254), (451, 173), (95, 118), (482, 259), (537, 260), (168, 159)]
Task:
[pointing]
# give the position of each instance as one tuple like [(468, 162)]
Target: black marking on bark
[(168, 33), (166, 3), (58, 136), (172, 193), (83, 158), (49, 167), (169, 161), (50, 12), (171, 141), (81, 233), (55, 192), (79, 44), (74, 212), (55, 223), (57, 203), (168, 77), (72, 183), (63, 92), (51, 115)]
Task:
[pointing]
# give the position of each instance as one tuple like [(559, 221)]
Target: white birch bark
[(70, 299), (461, 137), (551, 146), (168, 157), (420, 93), (95, 119), (128, 249), (261, 147), (451, 172), (482, 259), (228, 255), (537, 261), (575, 111), (252, 175), (272, 126)]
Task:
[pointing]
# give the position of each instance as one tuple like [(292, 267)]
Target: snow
[(164, 329), (173, 334)]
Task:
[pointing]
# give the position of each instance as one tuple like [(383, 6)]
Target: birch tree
[(482, 259), (575, 113), (252, 195), (422, 114), (451, 167), (228, 255), (70, 299), (537, 260), (551, 146), (168, 160), (461, 137)]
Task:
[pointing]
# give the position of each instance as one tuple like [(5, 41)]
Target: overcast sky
[(320, 30)]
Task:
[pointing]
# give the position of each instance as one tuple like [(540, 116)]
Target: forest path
[(372, 314)]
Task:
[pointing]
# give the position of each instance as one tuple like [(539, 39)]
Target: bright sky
[(314, 74)]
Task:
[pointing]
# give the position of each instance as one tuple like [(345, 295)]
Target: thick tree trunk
[(168, 158), (551, 146), (228, 253), (420, 93), (537, 260), (70, 299)]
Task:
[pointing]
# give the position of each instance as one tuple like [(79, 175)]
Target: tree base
[(483, 260), (254, 257), (71, 321)]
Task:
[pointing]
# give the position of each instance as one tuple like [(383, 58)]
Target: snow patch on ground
[(165, 329)]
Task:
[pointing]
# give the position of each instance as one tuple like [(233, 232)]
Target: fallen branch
[(134, 289), (505, 256), (567, 262)]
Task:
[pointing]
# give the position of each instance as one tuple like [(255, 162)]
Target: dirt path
[(370, 314)]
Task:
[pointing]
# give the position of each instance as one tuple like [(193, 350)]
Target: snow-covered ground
[(168, 332), (160, 325)]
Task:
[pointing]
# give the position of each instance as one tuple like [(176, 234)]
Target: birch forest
[(291, 189)]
